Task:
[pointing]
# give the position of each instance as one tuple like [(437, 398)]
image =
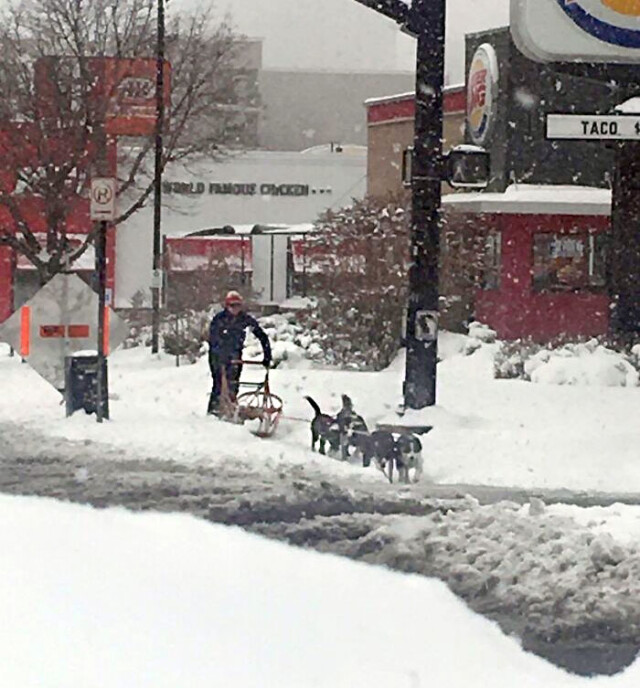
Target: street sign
[(103, 199), (61, 319), (594, 127), (577, 30)]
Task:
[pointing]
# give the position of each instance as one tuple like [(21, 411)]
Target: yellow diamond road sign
[(61, 319)]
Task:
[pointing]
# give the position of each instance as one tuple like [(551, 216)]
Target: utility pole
[(102, 409), (156, 283), (427, 22)]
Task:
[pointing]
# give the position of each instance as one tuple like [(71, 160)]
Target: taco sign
[(482, 92), (577, 30)]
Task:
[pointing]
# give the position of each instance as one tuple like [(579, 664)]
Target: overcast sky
[(344, 35)]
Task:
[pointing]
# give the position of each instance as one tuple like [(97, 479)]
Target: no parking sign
[(103, 199)]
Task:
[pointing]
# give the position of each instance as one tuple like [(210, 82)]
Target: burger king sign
[(482, 91), (577, 30)]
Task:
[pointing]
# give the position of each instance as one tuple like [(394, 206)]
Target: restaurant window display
[(492, 261), (569, 262)]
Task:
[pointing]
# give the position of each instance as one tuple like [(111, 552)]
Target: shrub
[(363, 258)]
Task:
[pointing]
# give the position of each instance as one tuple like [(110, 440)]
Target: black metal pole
[(427, 22), (102, 410), (157, 181)]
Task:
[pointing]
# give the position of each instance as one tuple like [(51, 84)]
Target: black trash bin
[(81, 384)]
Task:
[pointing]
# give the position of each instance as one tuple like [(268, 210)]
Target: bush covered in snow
[(290, 341), (479, 334), (572, 363), (184, 336), (360, 305)]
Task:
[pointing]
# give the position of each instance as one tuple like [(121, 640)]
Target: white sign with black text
[(594, 127)]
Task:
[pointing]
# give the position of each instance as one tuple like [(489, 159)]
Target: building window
[(568, 262), (492, 260)]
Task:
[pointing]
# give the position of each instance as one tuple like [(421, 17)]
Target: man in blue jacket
[(226, 340)]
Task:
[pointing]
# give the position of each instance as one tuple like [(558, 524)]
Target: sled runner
[(259, 404)]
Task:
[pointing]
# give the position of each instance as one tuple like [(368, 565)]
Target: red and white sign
[(482, 94), (577, 30), (130, 86)]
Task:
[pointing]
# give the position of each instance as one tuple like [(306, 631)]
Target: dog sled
[(259, 404)]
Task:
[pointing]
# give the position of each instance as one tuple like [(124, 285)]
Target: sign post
[(427, 22), (103, 209), (157, 178)]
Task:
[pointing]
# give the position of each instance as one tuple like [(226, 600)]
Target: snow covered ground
[(168, 600), (487, 431), (260, 614)]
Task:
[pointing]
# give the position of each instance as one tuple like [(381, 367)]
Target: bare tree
[(61, 90)]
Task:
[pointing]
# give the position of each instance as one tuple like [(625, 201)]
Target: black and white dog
[(409, 456), (386, 452), (336, 431), (351, 425), (324, 430), (378, 447)]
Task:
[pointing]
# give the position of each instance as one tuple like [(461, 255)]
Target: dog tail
[(314, 405)]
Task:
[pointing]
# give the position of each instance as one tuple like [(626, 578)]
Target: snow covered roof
[(529, 199), (244, 230), (410, 94), (629, 107)]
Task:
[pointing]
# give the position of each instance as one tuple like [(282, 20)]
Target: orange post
[(25, 331)]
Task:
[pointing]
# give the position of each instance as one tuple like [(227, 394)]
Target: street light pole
[(157, 182), (427, 22)]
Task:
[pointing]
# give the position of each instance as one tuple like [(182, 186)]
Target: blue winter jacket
[(227, 334)]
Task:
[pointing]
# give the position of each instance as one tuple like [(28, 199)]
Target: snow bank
[(167, 600), (512, 554)]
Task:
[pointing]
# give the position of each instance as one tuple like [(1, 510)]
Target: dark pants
[(232, 373)]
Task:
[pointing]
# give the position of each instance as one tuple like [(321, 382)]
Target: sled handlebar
[(241, 362)]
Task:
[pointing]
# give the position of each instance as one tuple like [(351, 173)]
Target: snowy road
[(363, 520)]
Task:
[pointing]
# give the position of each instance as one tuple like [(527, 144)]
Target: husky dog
[(378, 447), (350, 425), (408, 456), (324, 429)]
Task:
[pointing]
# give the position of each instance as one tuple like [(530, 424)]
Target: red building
[(128, 87), (543, 273), (542, 248)]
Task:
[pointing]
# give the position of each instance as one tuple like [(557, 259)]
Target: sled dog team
[(344, 433), (347, 432)]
